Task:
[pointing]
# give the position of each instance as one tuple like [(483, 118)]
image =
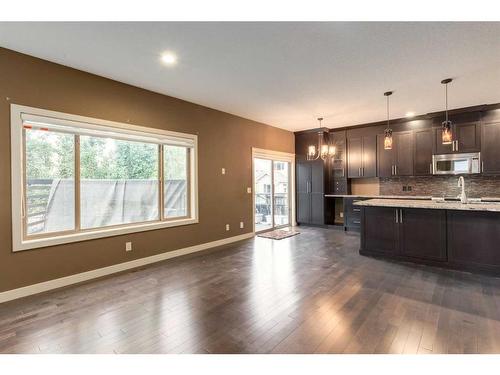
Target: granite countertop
[(379, 196), (415, 203)]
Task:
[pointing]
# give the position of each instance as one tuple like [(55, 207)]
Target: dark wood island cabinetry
[(461, 238)]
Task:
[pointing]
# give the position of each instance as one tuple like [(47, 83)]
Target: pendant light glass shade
[(446, 133), (388, 130), (388, 139)]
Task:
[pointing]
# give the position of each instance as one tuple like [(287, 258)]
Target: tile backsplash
[(437, 186)]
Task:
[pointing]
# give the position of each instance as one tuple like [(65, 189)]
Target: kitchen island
[(443, 233)]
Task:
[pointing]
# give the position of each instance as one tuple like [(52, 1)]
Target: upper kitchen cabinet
[(466, 138), (337, 169), (466, 133), (399, 160), (490, 150), (362, 156), (423, 152)]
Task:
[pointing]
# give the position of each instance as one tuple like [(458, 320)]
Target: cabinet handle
[(401, 216), (430, 168), (396, 216), (359, 171), (482, 166), (363, 171), (453, 146), (456, 146), (396, 170)]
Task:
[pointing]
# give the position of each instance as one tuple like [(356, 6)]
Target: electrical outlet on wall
[(227, 227), (128, 246), (223, 170), (242, 225), (249, 190)]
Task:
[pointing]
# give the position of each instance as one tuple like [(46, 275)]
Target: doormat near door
[(279, 234)]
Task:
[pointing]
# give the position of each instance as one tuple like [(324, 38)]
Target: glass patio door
[(271, 193)]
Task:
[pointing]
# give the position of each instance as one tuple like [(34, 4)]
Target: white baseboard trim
[(25, 291)]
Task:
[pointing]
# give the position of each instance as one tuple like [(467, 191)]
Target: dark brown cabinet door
[(423, 233), (317, 191), (423, 152), (354, 152), (369, 163), (403, 153), (379, 230), (473, 238), (385, 159), (490, 148), (303, 178), (468, 137)]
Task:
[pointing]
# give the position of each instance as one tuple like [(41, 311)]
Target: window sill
[(100, 233)]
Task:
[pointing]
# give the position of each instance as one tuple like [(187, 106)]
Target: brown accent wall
[(224, 141), (475, 186)]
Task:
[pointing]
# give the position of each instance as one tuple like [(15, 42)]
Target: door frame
[(275, 156)]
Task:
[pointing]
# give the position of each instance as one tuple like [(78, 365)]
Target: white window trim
[(277, 156), (19, 244)]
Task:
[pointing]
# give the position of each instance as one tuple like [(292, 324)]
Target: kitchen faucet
[(461, 184)]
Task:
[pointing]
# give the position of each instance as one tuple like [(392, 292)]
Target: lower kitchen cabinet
[(379, 230), (473, 239), (310, 192), (352, 213), (422, 233), (460, 239), (404, 232)]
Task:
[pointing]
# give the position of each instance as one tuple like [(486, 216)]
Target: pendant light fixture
[(388, 130), (446, 134), (322, 150)]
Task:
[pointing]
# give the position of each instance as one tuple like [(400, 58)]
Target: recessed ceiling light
[(169, 58), (410, 114)]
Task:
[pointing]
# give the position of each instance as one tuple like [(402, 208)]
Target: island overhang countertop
[(431, 204)]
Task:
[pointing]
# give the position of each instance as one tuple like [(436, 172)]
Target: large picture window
[(85, 178)]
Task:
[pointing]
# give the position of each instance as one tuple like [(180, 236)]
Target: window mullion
[(162, 184), (77, 184)]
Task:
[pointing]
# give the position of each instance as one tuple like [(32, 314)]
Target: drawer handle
[(356, 209), (356, 222)]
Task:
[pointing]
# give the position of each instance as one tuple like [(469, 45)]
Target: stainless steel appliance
[(456, 163)]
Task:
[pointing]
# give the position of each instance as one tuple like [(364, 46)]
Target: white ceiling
[(284, 74)]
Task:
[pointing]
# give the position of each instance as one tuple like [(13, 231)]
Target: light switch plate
[(249, 190), (128, 246), (223, 171), (227, 227), (242, 225)]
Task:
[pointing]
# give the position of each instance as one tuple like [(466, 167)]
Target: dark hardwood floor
[(312, 293)]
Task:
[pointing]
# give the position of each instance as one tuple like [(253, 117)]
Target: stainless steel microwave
[(456, 163)]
